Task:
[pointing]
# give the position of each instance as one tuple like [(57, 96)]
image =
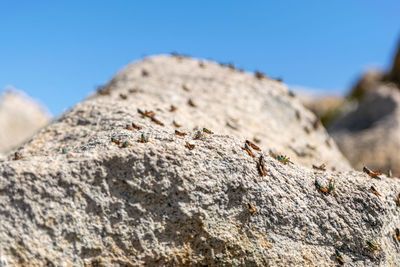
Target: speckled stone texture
[(159, 203)]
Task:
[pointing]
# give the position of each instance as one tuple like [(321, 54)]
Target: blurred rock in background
[(326, 108), (394, 74), (20, 118), (368, 133)]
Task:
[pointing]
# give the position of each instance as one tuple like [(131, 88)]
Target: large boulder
[(370, 133), (20, 118), (73, 197), (230, 102)]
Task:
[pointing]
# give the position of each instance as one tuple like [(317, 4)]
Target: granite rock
[(76, 198)]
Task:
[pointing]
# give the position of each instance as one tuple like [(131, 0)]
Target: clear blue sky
[(59, 51)]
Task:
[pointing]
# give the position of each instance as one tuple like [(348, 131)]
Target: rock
[(369, 135), (327, 108), (76, 198), (322, 105), (20, 118), (368, 82), (228, 102), (394, 74)]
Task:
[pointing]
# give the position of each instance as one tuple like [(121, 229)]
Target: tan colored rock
[(370, 134), (20, 118), (159, 203)]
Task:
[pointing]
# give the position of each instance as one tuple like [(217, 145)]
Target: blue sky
[(59, 51)]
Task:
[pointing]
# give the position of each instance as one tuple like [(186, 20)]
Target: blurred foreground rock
[(20, 118), (77, 198)]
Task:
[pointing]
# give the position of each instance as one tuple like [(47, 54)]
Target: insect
[(283, 159), (179, 133), (145, 73), (372, 245), (177, 125), (133, 90), (373, 174), (64, 150), (256, 140), (331, 187), (306, 129), (122, 96), (321, 167), (231, 126), (320, 187), (261, 166), (137, 127), (17, 156), (397, 232), (125, 144), (252, 145), (207, 131), (184, 87), (339, 257), (189, 146), (259, 75), (310, 147), (251, 208), (149, 114), (247, 148), (231, 66), (146, 113), (173, 108), (115, 140), (177, 55), (156, 121), (103, 91), (298, 116), (273, 154), (317, 123), (374, 191), (191, 103), (389, 174), (143, 139), (198, 135), (327, 142), (398, 200), (128, 127)]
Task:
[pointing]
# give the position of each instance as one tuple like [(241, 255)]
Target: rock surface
[(370, 134), (253, 108), (20, 118), (159, 203)]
